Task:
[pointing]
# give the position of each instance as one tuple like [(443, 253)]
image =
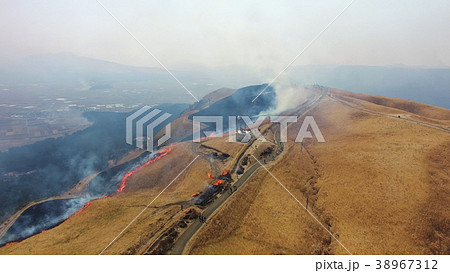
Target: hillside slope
[(379, 183)]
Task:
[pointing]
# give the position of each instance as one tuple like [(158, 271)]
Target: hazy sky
[(217, 33)]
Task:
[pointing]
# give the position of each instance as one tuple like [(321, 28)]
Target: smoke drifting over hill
[(53, 166), (41, 217), (241, 103)]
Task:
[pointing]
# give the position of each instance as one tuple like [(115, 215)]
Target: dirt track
[(75, 192), (432, 125), (185, 238), (181, 243)]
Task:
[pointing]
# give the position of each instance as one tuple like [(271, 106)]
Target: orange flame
[(196, 194), (123, 182), (218, 182), (225, 172), (80, 210), (210, 176)]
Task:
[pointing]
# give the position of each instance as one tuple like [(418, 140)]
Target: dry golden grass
[(222, 144), (380, 184), (404, 108), (375, 178), (91, 230), (262, 218), (434, 212), (417, 108)]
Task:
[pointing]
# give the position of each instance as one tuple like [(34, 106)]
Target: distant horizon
[(423, 84), (200, 66)]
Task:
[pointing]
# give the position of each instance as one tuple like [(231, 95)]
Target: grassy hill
[(380, 183)]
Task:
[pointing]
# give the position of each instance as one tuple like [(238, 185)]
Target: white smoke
[(288, 95)]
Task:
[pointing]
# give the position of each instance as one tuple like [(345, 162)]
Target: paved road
[(432, 125), (16, 216), (182, 241), (195, 226), (75, 192)]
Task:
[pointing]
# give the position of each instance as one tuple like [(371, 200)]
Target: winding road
[(75, 192), (432, 125), (180, 245)]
